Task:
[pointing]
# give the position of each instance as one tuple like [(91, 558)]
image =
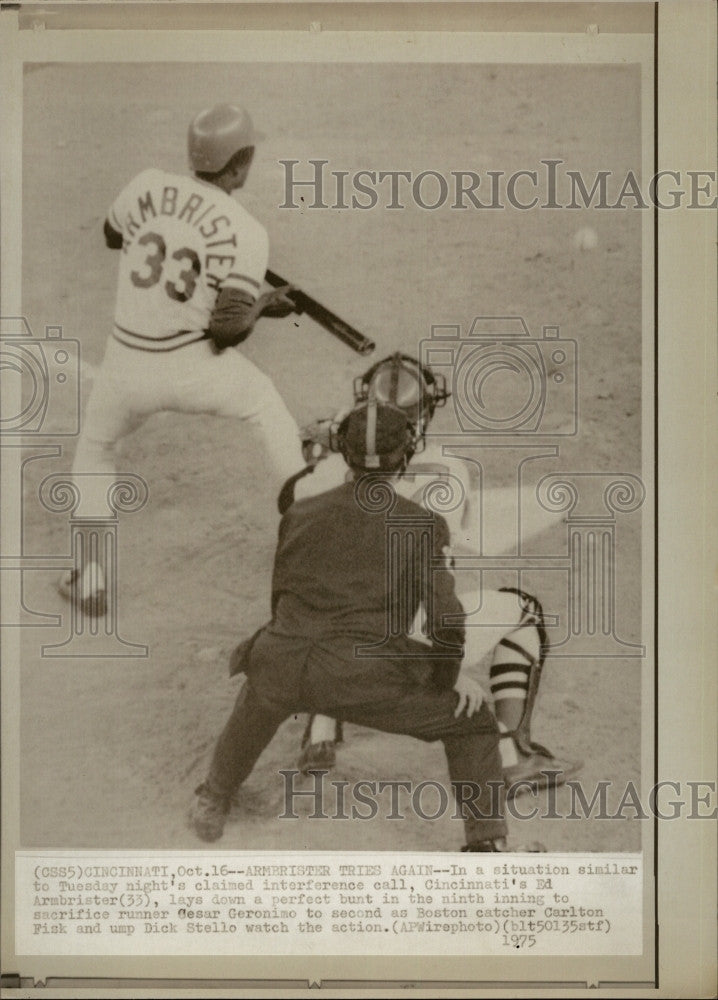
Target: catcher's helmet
[(405, 383), (216, 134), (375, 437)]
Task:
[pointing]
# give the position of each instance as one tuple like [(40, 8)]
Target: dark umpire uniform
[(337, 590)]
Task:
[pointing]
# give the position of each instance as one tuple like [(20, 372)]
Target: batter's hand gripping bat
[(324, 317)]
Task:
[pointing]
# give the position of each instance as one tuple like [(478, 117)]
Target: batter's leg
[(108, 417), (242, 391)]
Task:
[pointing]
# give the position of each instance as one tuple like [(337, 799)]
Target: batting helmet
[(216, 134), (375, 437)]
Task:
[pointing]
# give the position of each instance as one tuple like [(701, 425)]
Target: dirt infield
[(112, 749)]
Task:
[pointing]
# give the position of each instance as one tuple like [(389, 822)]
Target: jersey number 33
[(180, 278)]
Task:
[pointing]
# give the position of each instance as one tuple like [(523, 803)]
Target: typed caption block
[(171, 903)]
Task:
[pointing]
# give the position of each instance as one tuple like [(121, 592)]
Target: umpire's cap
[(375, 437), (216, 134)]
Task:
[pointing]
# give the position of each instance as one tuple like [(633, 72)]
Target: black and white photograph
[(496, 336), (330, 412)]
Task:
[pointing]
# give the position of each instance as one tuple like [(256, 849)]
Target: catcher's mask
[(375, 437), (404, 383)]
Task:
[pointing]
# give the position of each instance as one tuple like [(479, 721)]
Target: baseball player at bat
[(509, 625), (192, 263)]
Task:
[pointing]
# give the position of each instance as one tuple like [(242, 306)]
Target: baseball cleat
[(317, 756), (208, 813), (85, 591), (536, 771), (500, 845)]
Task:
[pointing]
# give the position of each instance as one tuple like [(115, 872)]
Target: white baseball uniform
[(183, 240)]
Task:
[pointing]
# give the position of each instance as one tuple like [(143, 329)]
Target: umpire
[(334, 592)]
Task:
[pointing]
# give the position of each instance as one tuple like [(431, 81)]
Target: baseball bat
[(324, 317)]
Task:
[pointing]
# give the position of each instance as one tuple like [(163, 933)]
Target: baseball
[(585, 238)]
